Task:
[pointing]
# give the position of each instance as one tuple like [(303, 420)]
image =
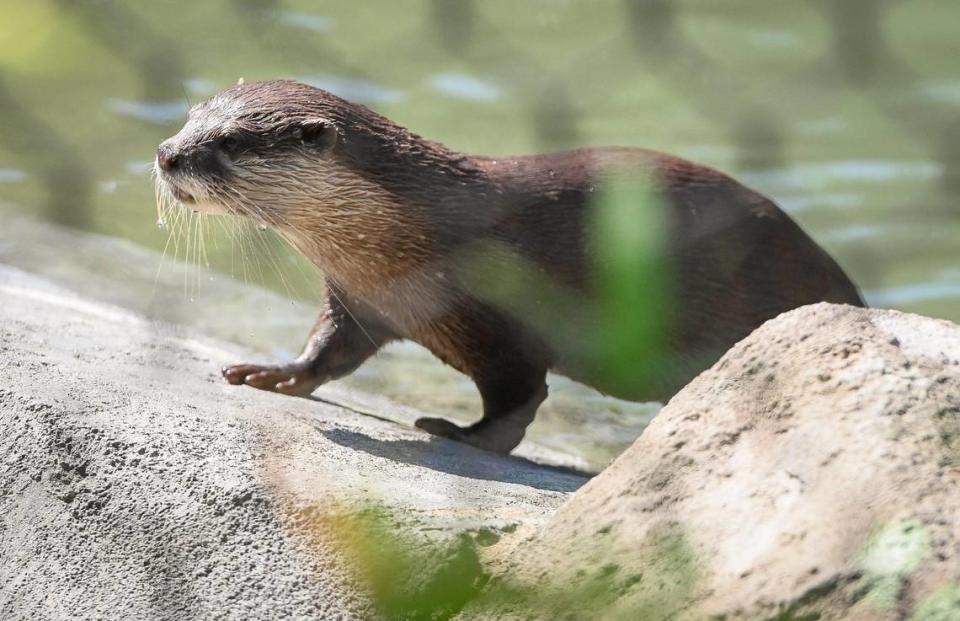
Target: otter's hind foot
[(495, 438), (294, 378)]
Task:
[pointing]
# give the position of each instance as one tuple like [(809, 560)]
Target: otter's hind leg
[(512, 383), (339, 343), (509, 407)]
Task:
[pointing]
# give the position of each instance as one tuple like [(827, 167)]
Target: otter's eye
[(310, 132), (229, 144), (316, 133)]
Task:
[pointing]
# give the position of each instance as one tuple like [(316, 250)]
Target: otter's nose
[(166, 158)]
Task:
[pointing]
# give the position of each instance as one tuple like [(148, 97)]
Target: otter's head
[(259, 150)]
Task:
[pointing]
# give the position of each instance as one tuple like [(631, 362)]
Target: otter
[(388, 217)]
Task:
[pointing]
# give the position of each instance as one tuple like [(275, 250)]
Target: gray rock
[(812, 473), (136, 484)]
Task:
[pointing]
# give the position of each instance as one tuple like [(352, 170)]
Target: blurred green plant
[(943, 605), (633, 275), (888, 559), (619, 337), (411, 579), (660, 591), (407, 578)]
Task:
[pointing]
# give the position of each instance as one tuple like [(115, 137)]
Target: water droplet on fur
[(161, 223), (261, 227)]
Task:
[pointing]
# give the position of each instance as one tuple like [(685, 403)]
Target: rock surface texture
[(812, 473), (135, 484)]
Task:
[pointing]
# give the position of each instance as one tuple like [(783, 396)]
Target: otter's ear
[(317, 133)]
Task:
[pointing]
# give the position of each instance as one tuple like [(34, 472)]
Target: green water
[(847, 112)]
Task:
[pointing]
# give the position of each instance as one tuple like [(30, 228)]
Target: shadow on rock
[(460, 460)]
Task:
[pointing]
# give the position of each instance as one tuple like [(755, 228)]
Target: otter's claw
[(290, 379)]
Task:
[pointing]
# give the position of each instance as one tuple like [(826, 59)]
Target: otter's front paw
[(290, 379)]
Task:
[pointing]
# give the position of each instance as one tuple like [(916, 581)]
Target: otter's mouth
[(169, 184), (182, 196), (188, 198)]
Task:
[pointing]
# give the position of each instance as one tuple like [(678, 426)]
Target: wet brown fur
[(389, 216)]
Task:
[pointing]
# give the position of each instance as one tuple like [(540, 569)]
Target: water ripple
[(306, 21), (153, 112), (854, 233), (796, 204), (946, 91), (360, 91), (820, 174), (774, 38), (9, 175), (139, 167), (461, 86), (913, 294)]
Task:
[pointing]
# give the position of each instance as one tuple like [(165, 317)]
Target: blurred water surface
[(846, 112)]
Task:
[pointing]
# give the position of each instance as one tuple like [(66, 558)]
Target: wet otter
[(388, 215)]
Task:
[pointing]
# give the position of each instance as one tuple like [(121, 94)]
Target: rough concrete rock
[(812, 473), (135, 484)]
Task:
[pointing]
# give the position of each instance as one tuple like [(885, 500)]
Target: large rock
[(136, 484), (812, 473)]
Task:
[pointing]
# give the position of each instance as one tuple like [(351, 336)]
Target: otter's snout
[(167, 158), (186, 171), (192, 159)]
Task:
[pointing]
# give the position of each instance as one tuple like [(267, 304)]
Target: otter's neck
[(388, 216)]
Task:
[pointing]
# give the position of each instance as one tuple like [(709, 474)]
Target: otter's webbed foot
[(486, 435), (294, 378)]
